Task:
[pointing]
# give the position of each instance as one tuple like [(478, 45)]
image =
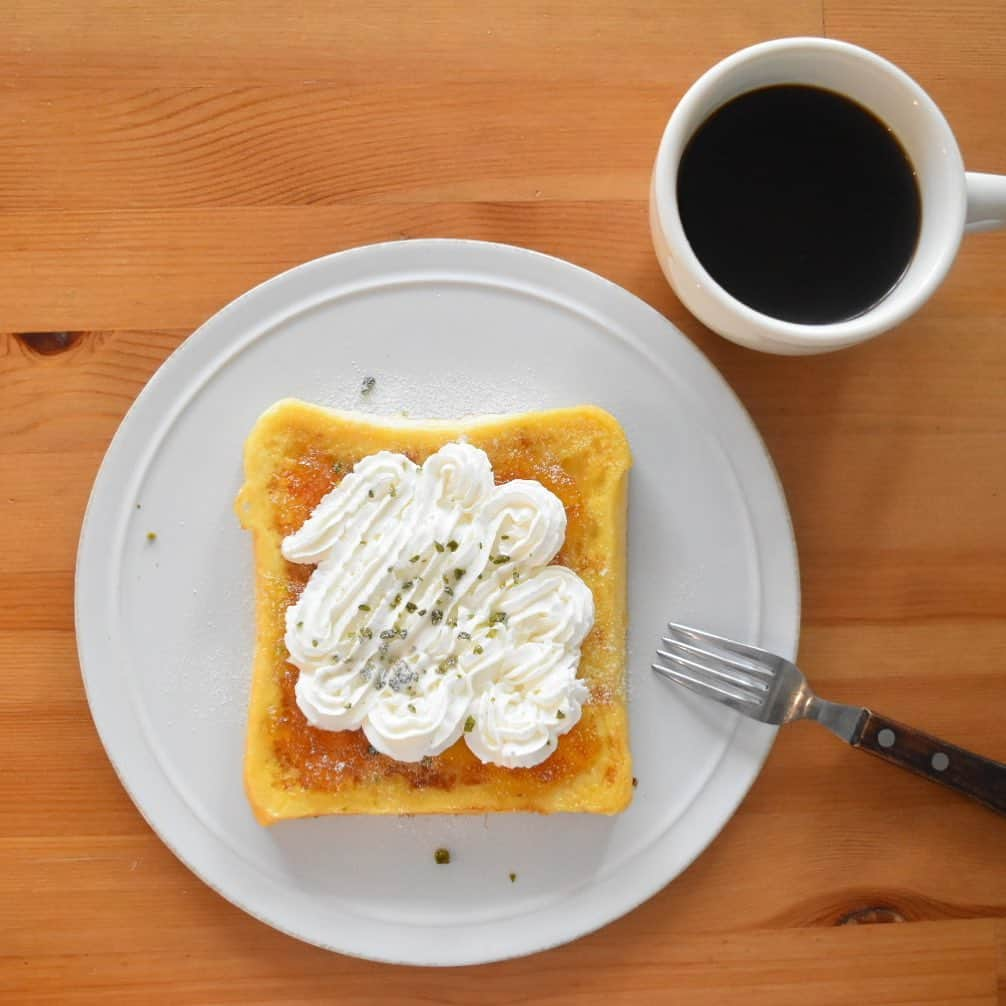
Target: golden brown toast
[(294, 455)]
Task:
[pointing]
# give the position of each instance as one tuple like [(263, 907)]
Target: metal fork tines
[(738, 676), (767, 687)]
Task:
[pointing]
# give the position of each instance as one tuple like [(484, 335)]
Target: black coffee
[(800, 203)]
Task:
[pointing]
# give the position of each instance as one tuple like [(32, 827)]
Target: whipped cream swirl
[(432, 613)]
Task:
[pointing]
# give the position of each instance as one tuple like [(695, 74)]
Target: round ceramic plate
[(165, 627)]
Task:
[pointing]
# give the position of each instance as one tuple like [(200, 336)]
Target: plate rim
[(468, 248)]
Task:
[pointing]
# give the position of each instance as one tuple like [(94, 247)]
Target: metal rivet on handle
[(886, 738), (939, 761)]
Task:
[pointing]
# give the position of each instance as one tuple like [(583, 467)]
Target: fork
[(771, 689)]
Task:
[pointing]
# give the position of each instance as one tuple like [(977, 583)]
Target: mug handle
[(986, 202)]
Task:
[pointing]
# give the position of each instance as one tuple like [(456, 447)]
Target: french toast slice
[(294, 455)]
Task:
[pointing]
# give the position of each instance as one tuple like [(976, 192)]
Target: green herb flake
[(363, 607), (370, 493), (410, 607), (491, 634), (478, 649), (421, 612), (469, 724), (438, 546), (498, 560), (408, 585), (442, 857), (453, 621), (314, 642), (366, 633), (452, 545), (458, 573), (411, 708), (560, 715), (464, 635), (497, 617), (414, 558), (151, 536), (349, 705), (393, 492), (300, 625), (368, 385), (436, 616), (513, 878), (396, 601), (389, 634)]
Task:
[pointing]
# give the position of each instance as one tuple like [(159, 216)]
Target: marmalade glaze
[(325, 760)]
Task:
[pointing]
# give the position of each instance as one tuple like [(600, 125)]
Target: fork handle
[(980, 778)]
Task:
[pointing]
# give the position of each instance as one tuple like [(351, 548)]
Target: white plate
[(165, 628)]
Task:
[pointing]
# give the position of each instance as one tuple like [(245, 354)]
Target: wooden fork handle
[(982, 779)]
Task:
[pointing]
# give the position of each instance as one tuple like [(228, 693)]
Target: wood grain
[(111, 41), (318, 145), (156, 160)]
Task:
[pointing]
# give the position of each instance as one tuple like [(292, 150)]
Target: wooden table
[(157, 159)]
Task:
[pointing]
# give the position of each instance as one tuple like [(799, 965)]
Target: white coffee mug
[(953, 201)]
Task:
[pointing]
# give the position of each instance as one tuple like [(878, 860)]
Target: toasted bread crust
[(294, 455)]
